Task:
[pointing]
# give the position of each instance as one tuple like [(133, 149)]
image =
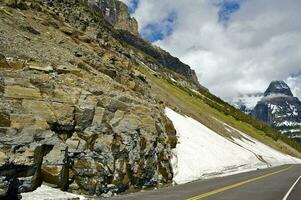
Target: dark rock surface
[(278, 87)]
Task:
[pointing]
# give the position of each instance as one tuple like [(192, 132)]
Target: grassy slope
[(203, 108)]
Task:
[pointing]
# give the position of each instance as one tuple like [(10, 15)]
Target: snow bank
[(47, 193), (202, 153)]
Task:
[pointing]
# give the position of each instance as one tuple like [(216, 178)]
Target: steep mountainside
[(82, 107), (116, 13), (75, 111), (280, 109), (161, 56), (202, 153)]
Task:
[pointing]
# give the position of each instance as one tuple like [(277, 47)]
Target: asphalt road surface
[(279, 183)]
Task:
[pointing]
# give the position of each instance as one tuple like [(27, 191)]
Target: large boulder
[(53, 164)]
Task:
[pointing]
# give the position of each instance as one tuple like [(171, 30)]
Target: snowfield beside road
[(202, 153), (47, 193)]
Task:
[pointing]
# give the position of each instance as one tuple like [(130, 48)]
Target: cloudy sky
[(235, 46)]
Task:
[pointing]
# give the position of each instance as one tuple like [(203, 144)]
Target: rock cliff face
[(116, 13), (162, 57), (75, 111), (67, 129), (280, 109)]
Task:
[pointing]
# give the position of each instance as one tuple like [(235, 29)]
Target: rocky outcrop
[(75, 111), (78, 137), (116, 13), (164, 59), (280, 109)]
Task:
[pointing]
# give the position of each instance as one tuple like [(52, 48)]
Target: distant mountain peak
[(276, 107), (278, 87), (280, 109)]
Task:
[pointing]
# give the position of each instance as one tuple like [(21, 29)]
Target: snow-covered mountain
[(280, 109), (277, 107)]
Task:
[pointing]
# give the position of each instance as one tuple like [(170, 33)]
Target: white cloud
[(295, 85), (261, 42)]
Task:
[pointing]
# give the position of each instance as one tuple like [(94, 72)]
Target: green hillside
[(213, 112)]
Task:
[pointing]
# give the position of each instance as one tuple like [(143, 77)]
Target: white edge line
[(290, 190)]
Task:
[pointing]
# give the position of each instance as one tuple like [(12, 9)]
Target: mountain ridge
[(129, 34), (280, 109), (276, 107), (278, 87)]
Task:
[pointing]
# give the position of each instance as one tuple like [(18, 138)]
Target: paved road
[(267, 184)]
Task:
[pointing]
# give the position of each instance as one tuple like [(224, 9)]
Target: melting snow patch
[(48, 193), (202, 153), (288, 123), (174, 80)]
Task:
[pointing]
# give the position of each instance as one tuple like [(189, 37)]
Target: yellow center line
[(207, 194)]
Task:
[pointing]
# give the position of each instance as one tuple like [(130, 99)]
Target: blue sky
[(158, 31), (133, 5), (227, 8)]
